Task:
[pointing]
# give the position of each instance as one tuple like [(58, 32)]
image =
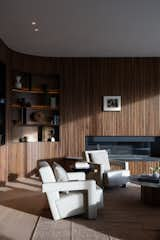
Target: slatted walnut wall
[(85, 81)]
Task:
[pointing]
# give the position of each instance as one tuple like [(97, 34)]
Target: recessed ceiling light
[(33, 23), (36, 29)]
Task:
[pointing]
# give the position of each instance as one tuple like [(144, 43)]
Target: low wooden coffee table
[(150, 192)]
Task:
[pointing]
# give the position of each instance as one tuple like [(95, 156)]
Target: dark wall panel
[(5, 59)]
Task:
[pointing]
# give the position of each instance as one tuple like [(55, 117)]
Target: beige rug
[(123, 217), (24, 216)]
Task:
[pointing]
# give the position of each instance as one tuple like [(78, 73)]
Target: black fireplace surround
[(126, 147)]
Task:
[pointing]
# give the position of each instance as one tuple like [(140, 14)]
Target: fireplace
[(126, 147)]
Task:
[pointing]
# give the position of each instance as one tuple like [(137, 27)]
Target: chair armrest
[(94, 167), (123, 164), (89, 185), (67, 186), (82, 165), (76, 176), (96, 173)]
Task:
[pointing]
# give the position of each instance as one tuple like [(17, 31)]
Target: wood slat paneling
[(3, 164), (85, 82), (138, 167), (142, 167)]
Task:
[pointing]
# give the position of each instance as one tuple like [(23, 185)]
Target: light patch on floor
[(16, 225), (5, 189), (25, 215), (26, 184)]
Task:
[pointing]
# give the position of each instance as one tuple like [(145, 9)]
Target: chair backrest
[(47, 176), (99, 157), (46, 172)]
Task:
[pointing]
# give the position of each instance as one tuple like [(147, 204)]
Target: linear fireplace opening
[(130, 147)]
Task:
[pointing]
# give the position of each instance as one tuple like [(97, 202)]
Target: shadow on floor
[(124, 216)]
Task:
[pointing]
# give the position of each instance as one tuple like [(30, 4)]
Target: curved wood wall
[(85, 81)]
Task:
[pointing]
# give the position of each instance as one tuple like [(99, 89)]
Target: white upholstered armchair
[(67, 198), (98, 159)]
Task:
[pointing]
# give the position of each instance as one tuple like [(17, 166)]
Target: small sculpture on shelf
[(55, 120), (51, 136), (23, 139), (18, 83)]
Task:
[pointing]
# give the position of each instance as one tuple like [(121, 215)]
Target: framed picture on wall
[(111, 103)]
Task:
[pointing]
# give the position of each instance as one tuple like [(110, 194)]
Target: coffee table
[(150, 192)]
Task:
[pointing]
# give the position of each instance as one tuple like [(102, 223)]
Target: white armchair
[(67, 198), (99, 160)]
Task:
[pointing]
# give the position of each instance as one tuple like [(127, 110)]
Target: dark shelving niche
[(36, 96)]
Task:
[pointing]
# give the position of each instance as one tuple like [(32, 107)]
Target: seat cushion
[(71, 204), (100, 157)]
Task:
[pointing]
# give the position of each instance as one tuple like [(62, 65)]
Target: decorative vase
[(156, 175), (18, 83), (52, 139)]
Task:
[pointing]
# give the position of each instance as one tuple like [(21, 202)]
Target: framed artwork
[(111, 103)]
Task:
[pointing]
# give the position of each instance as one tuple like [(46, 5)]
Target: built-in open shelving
[(35, 104), (35, 107), (36, 91)]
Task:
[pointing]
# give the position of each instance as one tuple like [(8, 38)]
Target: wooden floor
[(24, 215)]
